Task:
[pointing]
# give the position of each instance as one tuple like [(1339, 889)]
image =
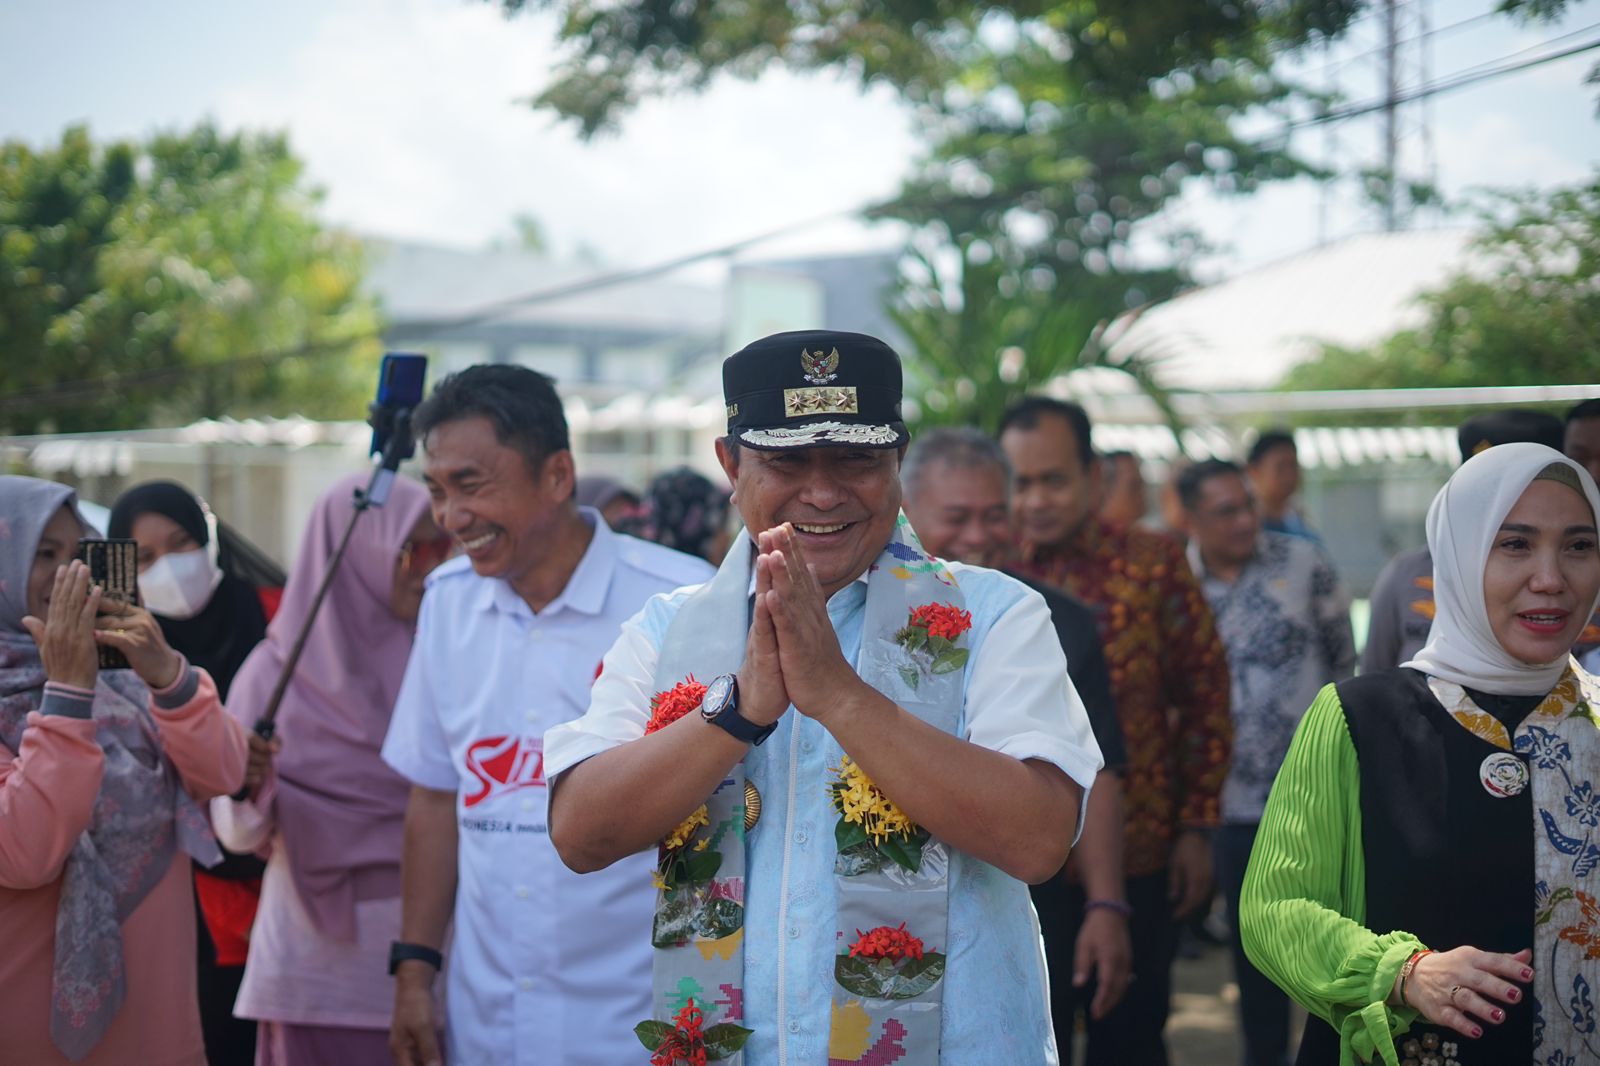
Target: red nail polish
[(1526, 974), (1498, 1014), (1476, 1032), (1512, 994)]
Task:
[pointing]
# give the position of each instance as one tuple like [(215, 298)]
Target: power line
[(1429, 34), (1579, 32), (1450, 83)]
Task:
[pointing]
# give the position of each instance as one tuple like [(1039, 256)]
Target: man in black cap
[(850, 756), (1402, 597)]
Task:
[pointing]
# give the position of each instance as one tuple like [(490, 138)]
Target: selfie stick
[(393, 425)]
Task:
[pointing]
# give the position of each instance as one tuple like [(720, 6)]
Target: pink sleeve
[(47, 794), (204, 741)]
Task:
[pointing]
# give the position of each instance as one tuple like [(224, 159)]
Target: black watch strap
[(741, 728), (400, 951)]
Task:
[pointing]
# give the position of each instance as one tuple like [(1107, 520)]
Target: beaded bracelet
[(1405, 973), (1114, 905)]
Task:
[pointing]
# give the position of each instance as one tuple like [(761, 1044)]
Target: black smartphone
[(114, 566)]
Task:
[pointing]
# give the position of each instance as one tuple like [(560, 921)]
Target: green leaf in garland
[(888, 978), (652, 1033), (847, 834), (724, 1039), (674, 920), (700, 867), (719, 918), (938, 645), (903, 853), (858, 859), (910, 676), (950, 661), (916, 976)]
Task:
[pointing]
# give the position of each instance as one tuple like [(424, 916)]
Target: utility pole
[(1391, 116)]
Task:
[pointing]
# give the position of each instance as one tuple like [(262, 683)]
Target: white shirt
[(545, 966)]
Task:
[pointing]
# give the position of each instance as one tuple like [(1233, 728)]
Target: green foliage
[(888, 978), (1534, 320), (180, 278), (1055, 127), (622, 53), (985, 334)]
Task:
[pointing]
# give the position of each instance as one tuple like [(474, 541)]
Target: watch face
[(716, 696)]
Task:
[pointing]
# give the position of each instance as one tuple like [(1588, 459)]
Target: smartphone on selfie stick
[(400, 381)]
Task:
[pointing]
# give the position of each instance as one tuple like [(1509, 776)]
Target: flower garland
[(888, 963), (665, 708), (871, 828), (886, 943), (682, 1041), (930, 638), (669, 706)]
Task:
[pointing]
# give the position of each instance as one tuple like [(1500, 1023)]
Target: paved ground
[(1204, 1027)]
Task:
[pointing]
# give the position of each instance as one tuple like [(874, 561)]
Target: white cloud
[(408, 113)]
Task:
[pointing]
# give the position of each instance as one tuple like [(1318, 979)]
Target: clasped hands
[(792, 654)]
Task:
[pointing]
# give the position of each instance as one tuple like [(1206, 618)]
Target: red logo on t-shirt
[(504, 764)]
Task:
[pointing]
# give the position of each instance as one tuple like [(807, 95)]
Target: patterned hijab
[(141, 814), (682, 510), (1462, 524)]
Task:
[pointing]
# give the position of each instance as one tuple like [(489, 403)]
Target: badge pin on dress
[(1503, 775)]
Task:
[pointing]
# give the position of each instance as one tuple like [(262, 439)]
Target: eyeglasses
[(419, 557)]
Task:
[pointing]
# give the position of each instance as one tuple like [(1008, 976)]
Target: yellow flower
[(656, 880), (861, 802), (680, 836)]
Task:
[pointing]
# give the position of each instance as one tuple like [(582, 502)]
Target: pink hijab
[(340, 809)]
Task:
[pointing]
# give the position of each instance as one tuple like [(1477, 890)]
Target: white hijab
[(1462, 523)]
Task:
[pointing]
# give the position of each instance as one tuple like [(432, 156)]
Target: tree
[(180, 278), (1533, 319), (1055, 128)]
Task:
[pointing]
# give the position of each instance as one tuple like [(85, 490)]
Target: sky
[(412, 117)]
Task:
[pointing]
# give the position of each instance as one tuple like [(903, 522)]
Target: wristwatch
[(720, 707), (400, 951)]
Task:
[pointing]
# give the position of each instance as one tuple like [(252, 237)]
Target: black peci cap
[(813, 389)]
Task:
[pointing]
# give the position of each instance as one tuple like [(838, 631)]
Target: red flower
[(688, 1044), (886, 943), (669, 706), (942, 620)]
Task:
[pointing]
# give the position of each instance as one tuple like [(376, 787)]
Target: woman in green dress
[(1426, 881)]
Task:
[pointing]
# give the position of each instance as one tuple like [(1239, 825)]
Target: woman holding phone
[(101, 772)]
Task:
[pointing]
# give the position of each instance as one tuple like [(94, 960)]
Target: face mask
[(179, 584)]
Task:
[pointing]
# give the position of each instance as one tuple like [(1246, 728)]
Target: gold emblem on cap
[(733, 411), (798, 403), (817, 368)]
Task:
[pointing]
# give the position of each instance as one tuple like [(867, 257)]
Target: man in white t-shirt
[(544, 967)]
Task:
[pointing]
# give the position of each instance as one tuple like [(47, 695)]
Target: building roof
[(1248, 331), (424, 284)]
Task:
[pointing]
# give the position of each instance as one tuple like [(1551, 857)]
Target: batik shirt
[(1169, 678), (1286, 624)]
